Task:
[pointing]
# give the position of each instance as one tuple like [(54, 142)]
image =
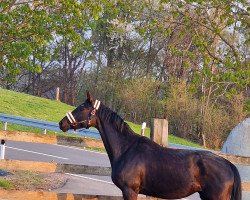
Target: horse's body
[(142, 166)]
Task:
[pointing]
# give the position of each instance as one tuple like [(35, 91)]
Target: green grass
[(25, 105), (178, 140), (247, 106), (5, 184), (137, 128), (31, 181), (25, 178)]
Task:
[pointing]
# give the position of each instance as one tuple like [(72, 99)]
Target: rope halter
[(96, 107), (71, 117), (73, 121)]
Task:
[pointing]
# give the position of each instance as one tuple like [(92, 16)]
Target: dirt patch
[(246, 186), (34, 181), (51, 139)]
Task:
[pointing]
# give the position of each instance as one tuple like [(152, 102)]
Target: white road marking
[(44, 154), (80, 149), (93, 179)]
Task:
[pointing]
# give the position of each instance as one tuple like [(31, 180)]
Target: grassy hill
[(25, 105)]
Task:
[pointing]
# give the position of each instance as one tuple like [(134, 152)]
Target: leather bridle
[(73, 121)]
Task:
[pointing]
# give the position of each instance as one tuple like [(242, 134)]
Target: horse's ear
[(89, 97), (88, 94)]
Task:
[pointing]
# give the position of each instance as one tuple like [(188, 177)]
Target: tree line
[(188, 61)]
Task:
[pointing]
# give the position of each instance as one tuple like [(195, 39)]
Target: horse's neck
[(115, 142)]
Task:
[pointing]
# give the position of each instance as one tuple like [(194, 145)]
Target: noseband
[(73, 121)]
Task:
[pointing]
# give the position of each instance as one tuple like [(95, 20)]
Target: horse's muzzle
[(63, 127)]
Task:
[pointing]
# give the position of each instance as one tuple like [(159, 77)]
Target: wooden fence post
[(58, 94), (159, 131)]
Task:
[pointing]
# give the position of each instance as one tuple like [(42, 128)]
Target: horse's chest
[(126, 174)]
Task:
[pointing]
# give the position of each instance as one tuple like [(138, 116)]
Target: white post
[(2, 150), (5, 126), (44, 131), (143, 126)]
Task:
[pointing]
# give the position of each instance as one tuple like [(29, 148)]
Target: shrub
[(210, 123)]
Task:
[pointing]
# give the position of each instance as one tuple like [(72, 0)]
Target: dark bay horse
[(141, 166)]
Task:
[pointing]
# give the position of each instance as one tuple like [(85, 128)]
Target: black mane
[(112, 117)]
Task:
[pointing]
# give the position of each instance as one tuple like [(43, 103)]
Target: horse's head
[(82, 117)]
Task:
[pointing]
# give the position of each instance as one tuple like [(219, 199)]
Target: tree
[(27, 28), (175, 52), (207, 47)]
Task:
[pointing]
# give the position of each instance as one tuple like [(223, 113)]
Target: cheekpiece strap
[(97, 104), (96, 107)]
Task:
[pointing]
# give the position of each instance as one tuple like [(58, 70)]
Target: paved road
[(57, 153), (63, 154), (91, 184)]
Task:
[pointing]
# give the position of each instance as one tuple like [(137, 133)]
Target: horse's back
[(161, 171), (182, 171), (171, 173)]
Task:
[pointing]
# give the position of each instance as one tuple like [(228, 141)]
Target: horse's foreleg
[(129, 194)]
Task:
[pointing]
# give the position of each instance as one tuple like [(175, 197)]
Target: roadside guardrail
[(44, 125)]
